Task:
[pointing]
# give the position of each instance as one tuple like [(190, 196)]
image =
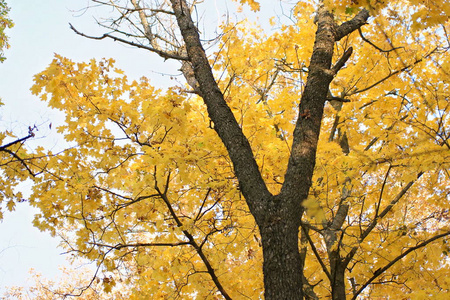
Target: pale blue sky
[(42, 29)]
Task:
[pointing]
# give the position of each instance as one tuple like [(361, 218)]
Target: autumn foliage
[(148, 190)]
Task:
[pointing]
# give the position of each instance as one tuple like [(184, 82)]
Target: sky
[(41, 30)]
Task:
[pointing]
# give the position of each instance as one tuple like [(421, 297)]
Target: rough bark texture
[(282, 266), (278, 217)]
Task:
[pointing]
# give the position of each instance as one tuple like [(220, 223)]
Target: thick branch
[(338, 99), (245, 166), (4, 148), (354, 24), (306, 133), (341, 62)]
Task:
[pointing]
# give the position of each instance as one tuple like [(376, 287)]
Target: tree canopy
[(308, 161)]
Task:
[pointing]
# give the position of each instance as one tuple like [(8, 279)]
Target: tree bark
[(282, 266), (338, 291)]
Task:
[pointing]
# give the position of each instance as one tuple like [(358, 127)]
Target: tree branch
[(306, 133), (388, 208), (348, 27), (316, 253), (338, 99), (192, 242), (394, 73), (374, 222), (163, 54), (341, 62), (136, 245), (395, 260), (246, 169), (373, 45), (4, 148)]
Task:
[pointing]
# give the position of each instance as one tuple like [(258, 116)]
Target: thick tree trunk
[(283, 264)]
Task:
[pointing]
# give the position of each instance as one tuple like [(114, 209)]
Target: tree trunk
[(283, 264)]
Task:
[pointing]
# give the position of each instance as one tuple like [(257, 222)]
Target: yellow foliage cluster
[(254, 5), (422, 14)]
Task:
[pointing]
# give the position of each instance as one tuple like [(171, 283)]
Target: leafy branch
[(395, 260), (4, 148)]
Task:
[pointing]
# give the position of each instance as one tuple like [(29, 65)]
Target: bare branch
[(373, 45), (316, 253), (163, 54), (374, 222), (388, 208), (137, 245), (394, 73), (135, 9)]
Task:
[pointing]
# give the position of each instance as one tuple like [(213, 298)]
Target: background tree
[(72, 278), (14, 162), (249, 167), (5, 23)]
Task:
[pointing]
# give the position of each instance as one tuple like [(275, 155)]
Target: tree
[(5, 23), (14, 161), (321, 158)]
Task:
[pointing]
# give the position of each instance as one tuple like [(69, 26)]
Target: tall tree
[(248, 167)]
